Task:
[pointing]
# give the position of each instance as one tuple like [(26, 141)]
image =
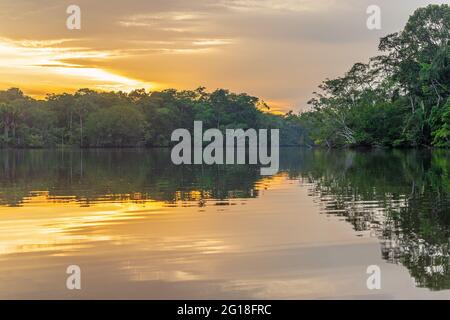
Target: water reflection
[(140, 213), (401, 197), (116, 175)]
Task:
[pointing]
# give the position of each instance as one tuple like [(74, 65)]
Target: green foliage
[(115, 119), (398, 98), (115, 126), (441, 134)]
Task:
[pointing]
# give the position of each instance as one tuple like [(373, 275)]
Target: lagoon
[(140, 227)]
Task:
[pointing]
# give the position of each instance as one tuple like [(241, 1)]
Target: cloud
[(279, 50), (25, 60), (276, 5)]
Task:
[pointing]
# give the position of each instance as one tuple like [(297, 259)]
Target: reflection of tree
[(401, 197), (108, 175), (424, 238)]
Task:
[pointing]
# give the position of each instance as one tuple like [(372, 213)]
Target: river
[(140, 227)]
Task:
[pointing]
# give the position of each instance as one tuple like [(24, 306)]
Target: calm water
[(140, 227)]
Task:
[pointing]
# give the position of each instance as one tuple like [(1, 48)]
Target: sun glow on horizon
[(276, 50), (39, 68)]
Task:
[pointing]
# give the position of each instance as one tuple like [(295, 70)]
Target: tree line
[(89, 118), (398, 99)]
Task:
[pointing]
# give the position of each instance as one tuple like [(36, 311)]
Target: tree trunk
[(81, 131), (6, 131)]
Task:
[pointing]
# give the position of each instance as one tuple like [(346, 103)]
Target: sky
[(276, 50)]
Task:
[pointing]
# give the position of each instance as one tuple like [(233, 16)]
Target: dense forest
[(89, 118), (398, 99)]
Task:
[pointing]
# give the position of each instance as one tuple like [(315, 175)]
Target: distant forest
[(398, 99), (89, 118)]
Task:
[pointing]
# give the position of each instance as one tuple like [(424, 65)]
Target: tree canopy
[(399, 98), (89, 118)]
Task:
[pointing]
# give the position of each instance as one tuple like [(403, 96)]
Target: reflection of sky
[(273, 246), (278, 50), (45, 222)]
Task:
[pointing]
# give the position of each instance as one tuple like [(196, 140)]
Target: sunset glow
[(275, 50)]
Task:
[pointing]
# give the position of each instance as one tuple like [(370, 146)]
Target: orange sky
[(276, 50)]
